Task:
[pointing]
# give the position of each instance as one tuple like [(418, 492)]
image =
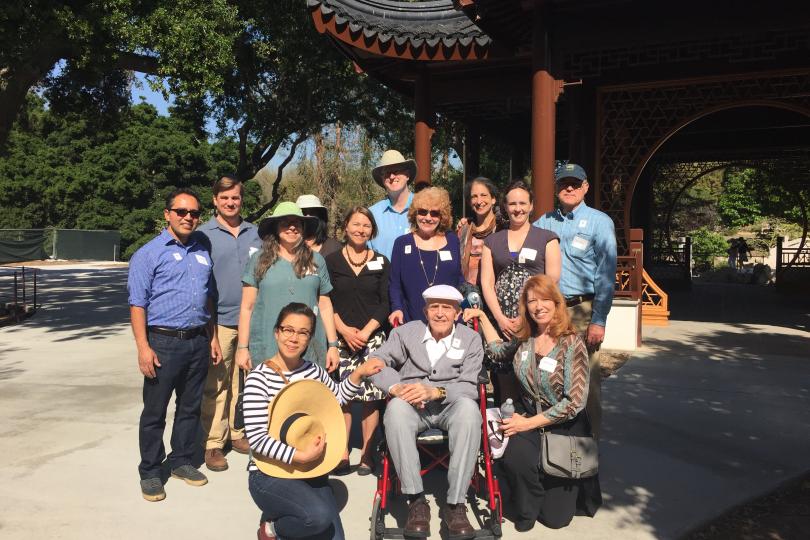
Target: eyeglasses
[(183, 212), (424, 212), (289, 331)]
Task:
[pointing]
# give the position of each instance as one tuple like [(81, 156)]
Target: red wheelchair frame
[(439, 458)]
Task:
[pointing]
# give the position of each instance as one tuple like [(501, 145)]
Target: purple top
[(409, 278), (532, 254)]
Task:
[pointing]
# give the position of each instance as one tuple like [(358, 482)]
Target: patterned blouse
[(562, 392)]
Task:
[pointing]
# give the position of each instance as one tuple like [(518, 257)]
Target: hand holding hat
[(313, 452)]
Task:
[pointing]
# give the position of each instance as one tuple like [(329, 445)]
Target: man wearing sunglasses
[(392, 173), (231, 241), (170, 305)]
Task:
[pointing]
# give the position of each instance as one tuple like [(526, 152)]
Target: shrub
[(706, 245)]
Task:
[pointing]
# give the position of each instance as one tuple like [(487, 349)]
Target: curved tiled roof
[(427, 30)]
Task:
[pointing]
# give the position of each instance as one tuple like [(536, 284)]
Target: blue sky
[(141, 91)]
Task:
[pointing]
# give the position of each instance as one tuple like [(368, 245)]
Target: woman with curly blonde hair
[(429, 255)]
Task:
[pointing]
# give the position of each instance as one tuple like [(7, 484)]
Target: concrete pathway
[(706, 416)]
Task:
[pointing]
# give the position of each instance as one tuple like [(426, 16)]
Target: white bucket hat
[(392, 160)]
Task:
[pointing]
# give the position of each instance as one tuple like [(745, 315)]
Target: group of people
[(228, 305), (738, 252)]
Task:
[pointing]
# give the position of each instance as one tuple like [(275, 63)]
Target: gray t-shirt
[(532, 254)]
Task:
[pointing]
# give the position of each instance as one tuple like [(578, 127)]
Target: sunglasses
[(183, 212), (432, 213)]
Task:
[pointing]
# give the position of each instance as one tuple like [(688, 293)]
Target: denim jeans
[(182, 371), (297, 508)]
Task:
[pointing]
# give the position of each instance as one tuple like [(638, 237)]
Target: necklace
[(422, 264), (362, 261)]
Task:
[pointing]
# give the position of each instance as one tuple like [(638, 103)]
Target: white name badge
[(407, 250), (252, 250), (380, 260), (528, 254), (200, 259), (178, 257), (457, 343), (583, 223), (548, 364), (374, 265), (579, 242), (445, 255), (524, 355), (455, 354)]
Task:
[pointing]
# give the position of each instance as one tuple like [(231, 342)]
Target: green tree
[(61, 171), (739, 202), (706, 245), (187, 42)]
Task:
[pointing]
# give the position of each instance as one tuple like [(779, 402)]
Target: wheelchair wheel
[(377, 519), (495, 518)]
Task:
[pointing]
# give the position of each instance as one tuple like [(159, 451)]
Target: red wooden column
[(545, 91), (424, 129)]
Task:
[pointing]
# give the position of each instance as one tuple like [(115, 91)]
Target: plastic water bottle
[(507, 409)]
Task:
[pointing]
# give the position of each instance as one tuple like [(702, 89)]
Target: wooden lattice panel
[(635, 120)]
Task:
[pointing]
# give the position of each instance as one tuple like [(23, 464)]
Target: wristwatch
[(335, 344), (442, 393)]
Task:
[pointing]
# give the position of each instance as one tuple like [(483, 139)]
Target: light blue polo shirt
[(390, 225), (588, 245)]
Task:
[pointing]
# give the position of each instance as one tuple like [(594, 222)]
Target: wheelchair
[(431, 444)]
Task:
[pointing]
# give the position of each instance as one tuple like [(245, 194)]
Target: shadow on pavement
[(97, 301)]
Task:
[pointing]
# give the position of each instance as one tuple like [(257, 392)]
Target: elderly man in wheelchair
[(431, 375)]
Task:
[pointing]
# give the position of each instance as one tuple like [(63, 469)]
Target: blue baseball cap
[(570, 170)]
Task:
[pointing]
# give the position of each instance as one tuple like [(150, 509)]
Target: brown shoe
[(215, 460), (240, 446), (418, 524), (455, 519)]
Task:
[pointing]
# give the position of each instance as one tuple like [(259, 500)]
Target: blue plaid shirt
[(171, 281), (588, 245)]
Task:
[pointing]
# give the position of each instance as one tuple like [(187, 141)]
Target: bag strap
[(272, 365)]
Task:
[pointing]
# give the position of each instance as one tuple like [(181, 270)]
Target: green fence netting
[(18, 245)]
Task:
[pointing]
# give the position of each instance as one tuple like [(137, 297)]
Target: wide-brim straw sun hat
[(284, 209), (392, 160), (300, 412)]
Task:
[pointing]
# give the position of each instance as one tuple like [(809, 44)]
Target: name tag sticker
[(178, 257), (579, 242), (548, 364), (374, 265), (380, 260), (200, 259), (528, 254), (524, 355), (455, 354), (252, 250), (457, 343), (445, 255), (583, 223), (407, 250)]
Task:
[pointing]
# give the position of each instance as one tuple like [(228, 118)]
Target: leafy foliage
[(706, 245), (187, 42), (739, 203), (61, 171)]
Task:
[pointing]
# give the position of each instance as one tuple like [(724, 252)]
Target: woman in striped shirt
[(299, 508)]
